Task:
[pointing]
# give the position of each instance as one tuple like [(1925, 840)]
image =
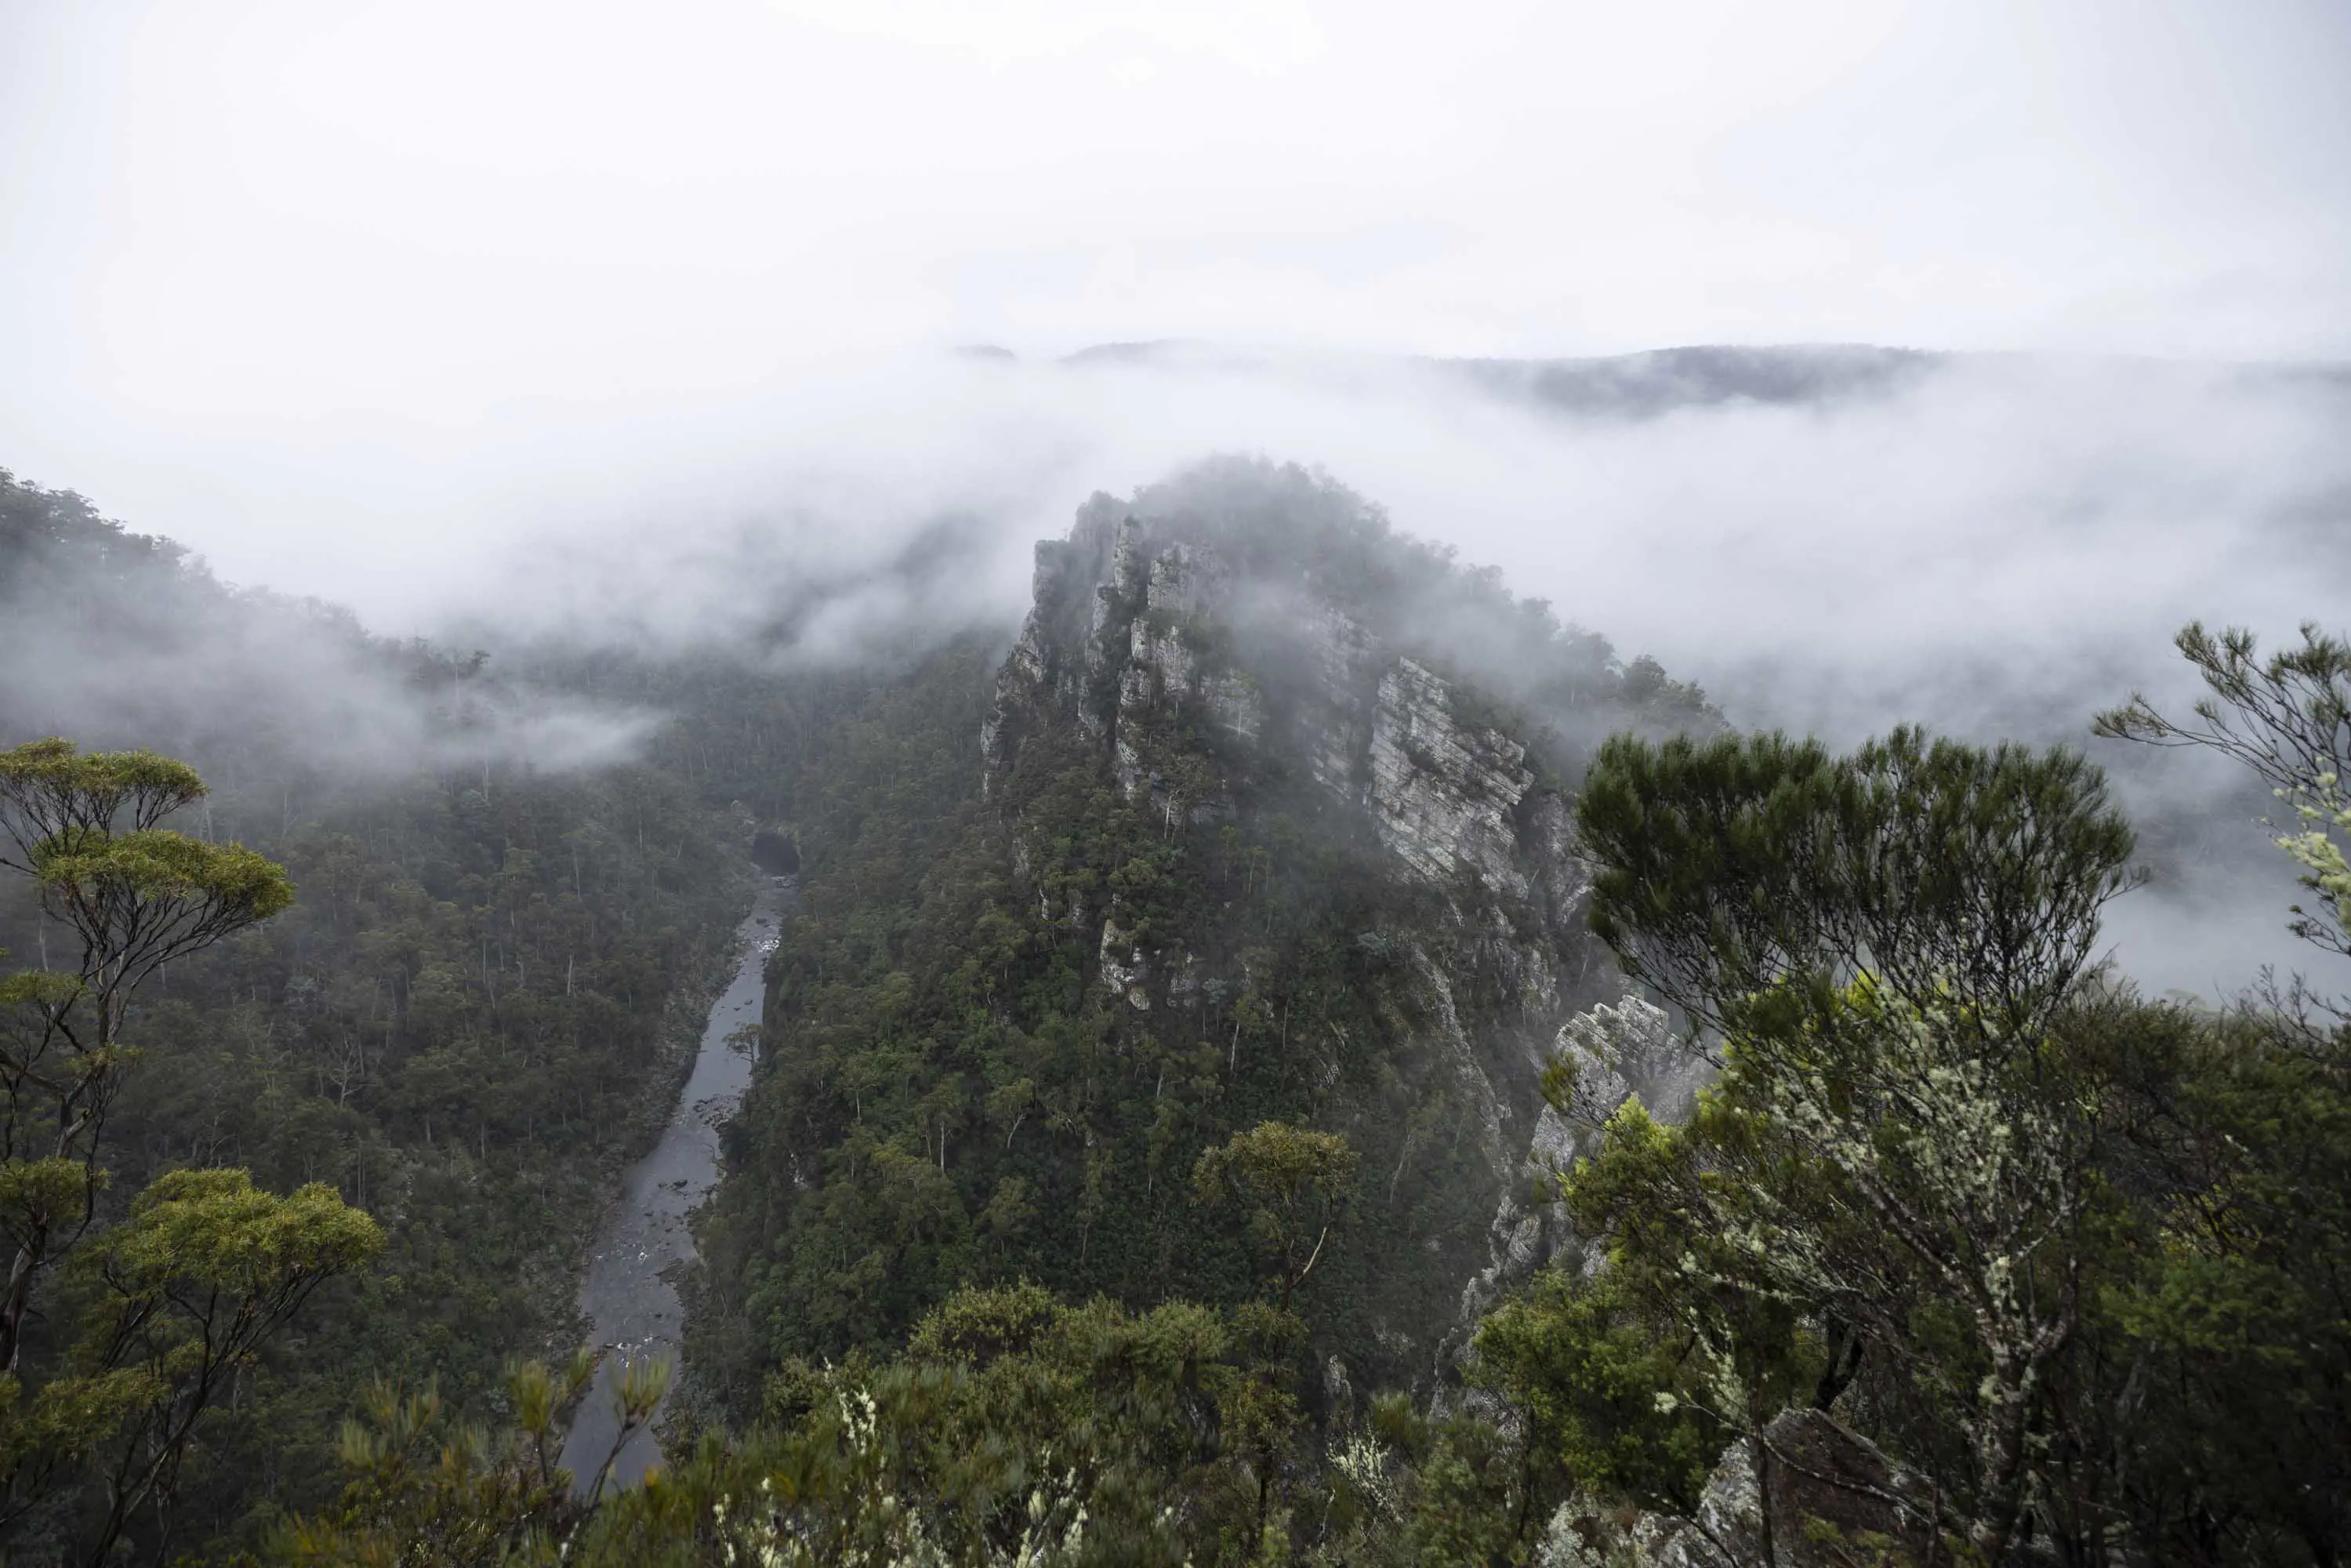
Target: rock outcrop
[(1607, 1054), (1836, 1499), (1136, 630), (1441, 794), (1208, 686)]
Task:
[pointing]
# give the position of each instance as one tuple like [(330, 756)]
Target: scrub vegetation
[(1110, 1179)]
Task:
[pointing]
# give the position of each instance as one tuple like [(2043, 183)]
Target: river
[(628, 1298)]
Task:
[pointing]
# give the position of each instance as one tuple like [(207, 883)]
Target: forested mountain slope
[(1169, 1091), (470, 1017), (1262, 819)]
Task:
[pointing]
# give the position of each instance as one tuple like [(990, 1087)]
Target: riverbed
[(628, 1298)]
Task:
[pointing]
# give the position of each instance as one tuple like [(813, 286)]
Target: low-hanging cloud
[(1989, 511), (1994, 546), (162, 656)]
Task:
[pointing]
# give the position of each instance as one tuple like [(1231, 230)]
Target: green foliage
[(1747, 865), (1292, 1182), (421, 1493), (1897, 1144), (1885, 940), (2068, 1269), (1013, 1429), (469, 1019), (948, 1093), (1608, 1386), (185, 1291), (2288, 718), (53, 791), (2207, 1408), (2060, 1252), (211, 1236), (465, 1023), (176, 884), (173, 1303)]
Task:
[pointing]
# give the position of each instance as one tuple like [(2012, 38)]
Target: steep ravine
[(630, 1295)]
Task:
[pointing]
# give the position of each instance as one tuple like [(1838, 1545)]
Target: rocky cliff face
[(1135, 631), (1836, 1496), (1610, 1054), (1213, 690)]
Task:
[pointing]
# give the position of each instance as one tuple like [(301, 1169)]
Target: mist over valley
[(1827, 541), (1138, 786)]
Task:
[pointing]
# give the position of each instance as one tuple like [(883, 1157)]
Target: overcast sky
[(333, 289), (628, 317), (428, 209)]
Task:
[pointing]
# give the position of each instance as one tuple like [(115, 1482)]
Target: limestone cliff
[(1136, 630), (1610, 1054), (1221, 678)]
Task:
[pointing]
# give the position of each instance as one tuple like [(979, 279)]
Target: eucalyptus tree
[(2240, 1134), (1291, 1183), (202, 1266), (1747, 872), (2288, 718), (1881, 948), (137, 895)]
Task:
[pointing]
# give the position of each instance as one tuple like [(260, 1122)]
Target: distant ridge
[(1637, 385), (1661, 380), (1657, 381), (1164, 352)]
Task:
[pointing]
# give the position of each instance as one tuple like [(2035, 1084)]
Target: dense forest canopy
[(1304, 1058), (461, 1025)]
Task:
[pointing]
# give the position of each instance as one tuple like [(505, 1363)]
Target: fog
[(1998, 542), (177, 664), (2017, 514), (625, 326), (1994, 546)]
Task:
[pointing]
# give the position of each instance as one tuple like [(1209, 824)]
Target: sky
[(278, 275), (236, 213), (358, 299), (636, 318)]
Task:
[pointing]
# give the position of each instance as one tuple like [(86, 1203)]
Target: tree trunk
[(2003, 1460)]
